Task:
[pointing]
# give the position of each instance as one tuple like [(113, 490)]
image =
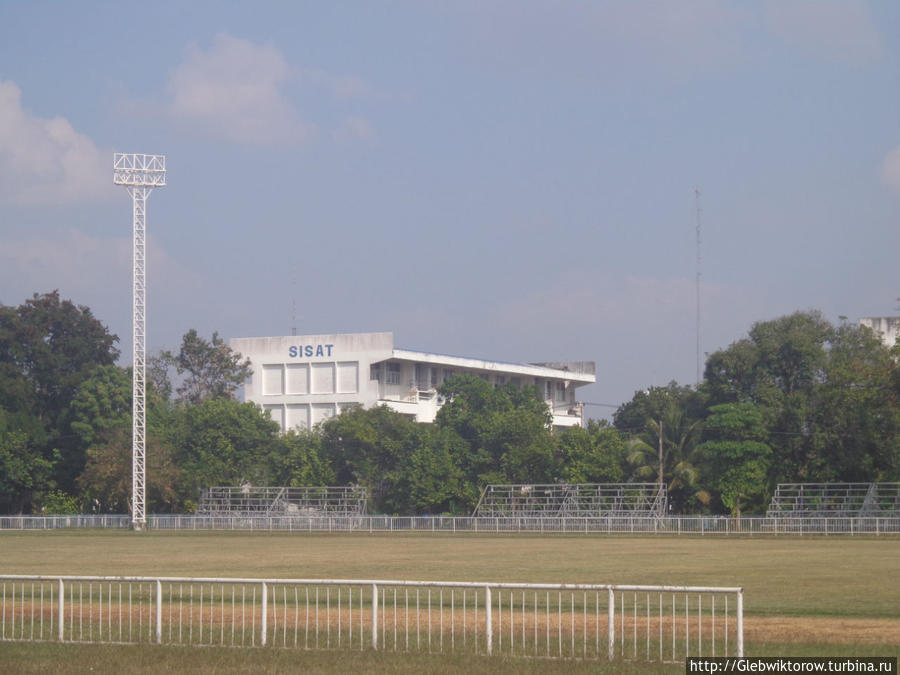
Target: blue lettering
[(300, 351)]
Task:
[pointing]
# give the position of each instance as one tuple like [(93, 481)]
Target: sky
[(508, 180)]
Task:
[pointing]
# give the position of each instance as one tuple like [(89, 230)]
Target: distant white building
[(303, 380), (886, 327)]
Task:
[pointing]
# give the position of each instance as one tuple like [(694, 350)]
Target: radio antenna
[(698, 212)]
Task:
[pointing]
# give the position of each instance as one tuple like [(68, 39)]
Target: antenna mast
[(139, 174), (698, 211), (294, 302)]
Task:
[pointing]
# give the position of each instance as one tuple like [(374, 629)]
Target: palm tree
[(679, 439)]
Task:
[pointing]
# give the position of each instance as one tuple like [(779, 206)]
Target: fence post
[(375, 616), (159, 612), (488, 629), (62, 611), (265, 611), (612, 624), (740, 623)]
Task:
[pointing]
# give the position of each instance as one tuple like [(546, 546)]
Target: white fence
[(587, 621), (674, 525)]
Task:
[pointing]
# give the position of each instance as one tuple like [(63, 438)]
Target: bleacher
[(837, 500), (573, 500), (247, 500)]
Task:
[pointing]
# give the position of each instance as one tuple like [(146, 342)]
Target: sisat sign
[(300, 351)]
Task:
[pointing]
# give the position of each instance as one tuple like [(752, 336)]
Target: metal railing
[(588, 621), (672, 525)]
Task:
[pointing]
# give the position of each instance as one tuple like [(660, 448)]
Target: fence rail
[(589, 621), (674, 525)]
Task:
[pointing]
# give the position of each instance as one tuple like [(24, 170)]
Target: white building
[(303, 380), (885, 327)]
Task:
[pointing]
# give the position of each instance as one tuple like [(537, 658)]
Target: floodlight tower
[(139, 174)]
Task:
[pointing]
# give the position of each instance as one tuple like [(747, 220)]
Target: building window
[(393, 373), (560, 391), (500, 381), (375, 372), (516, 381)]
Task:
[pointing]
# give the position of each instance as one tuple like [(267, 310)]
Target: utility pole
[(660, 453)]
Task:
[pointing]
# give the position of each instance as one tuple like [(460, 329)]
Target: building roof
[(578, 371)]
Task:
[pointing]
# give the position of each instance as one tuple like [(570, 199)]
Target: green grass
[(44, 658), (843, 577), (839, 578)]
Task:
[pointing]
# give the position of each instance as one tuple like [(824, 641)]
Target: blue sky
[(502, 180)]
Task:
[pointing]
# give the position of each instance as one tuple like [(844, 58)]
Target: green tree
[(106, 481), (210, 369), (674, 414), (855, 415), (507, 430), (48, 348), (827, 396), (222, 442), (432, 480), (298, 460), (735, 458), (58, 502), (370, 447), (100, 407), (24, 472), (596, 454)]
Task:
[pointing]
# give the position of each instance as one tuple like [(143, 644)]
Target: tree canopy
[(797, 399)]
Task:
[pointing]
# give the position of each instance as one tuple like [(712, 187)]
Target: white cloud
[(235, 89), (354, 128), (890, 169), (341, 87), (83, 265), (45, 161), (97, 272), (833, 29)]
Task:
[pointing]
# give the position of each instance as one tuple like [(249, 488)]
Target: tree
[(23, 470), (222, 442), (101, 403), (855, 413), (101, 406), (827, 397), (210, 369), (654, 403), (370, 447), (672, 418), (432, 480), (507, 430), (593, 455), (735, 458), (298, 460), (48, 348), (106, 481)]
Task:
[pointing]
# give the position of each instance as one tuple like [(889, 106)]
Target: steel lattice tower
[(139, 174)]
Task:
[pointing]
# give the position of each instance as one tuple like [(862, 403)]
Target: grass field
[(803, 596)]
